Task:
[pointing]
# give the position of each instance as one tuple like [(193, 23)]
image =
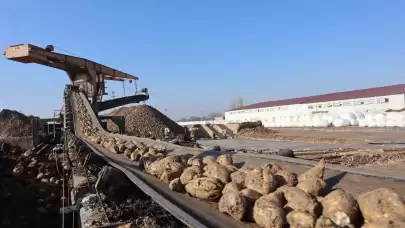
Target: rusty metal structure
[(85, 75)]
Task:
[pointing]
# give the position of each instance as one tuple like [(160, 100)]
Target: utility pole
[(113, 96), (202, 114)]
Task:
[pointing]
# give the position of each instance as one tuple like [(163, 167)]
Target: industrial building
[(363, 100)]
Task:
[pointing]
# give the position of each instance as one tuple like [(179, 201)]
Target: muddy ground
[(30, 189), (31, 193)]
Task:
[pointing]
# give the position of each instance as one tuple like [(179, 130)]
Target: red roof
[(361, 93)]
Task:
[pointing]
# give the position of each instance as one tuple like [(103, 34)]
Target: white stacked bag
[(320, 121), (344, 119)]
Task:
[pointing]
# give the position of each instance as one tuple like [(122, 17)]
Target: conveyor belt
[(190, 211), (197, 213)]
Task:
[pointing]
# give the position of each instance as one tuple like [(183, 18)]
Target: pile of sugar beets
[(268, 195)]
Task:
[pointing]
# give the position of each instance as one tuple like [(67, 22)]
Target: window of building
[(358, 102), (383, 100), (371, 101), (329, 105), (337, 104), (310, 107), (320, 106)]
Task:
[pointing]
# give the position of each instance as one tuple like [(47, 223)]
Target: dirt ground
[(352, 135), (374, 149), (30, 189), (390, 168)]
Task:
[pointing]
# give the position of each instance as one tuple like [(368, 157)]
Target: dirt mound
[(141, 120), (245, 125), (372, 158), (256, 132), (14, 124)]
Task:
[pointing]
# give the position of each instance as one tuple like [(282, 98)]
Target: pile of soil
[(249, 125), (144, 121), (30, 190), (14, 124), (309, 139), (369, 158), (260, 132), (257, 133)]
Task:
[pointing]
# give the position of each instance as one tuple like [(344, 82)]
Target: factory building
[(363, 100)]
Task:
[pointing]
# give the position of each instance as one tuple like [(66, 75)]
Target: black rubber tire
[(286, 152)]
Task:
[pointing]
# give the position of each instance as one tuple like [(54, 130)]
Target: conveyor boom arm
[(27, 53), (88, 76)]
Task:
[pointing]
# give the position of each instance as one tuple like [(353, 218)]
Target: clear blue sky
[(197, 55)]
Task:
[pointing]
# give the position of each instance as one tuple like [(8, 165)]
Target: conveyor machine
[(86, 75)]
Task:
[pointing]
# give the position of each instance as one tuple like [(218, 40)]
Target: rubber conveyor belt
[(191, 211), (196, 213)]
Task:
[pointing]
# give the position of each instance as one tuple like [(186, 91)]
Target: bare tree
[(210, 116), (237, 102)]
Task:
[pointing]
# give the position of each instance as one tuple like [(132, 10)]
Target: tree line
[(236, 102), (210, 116)]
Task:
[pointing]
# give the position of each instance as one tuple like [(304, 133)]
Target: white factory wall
[(294, 111)]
